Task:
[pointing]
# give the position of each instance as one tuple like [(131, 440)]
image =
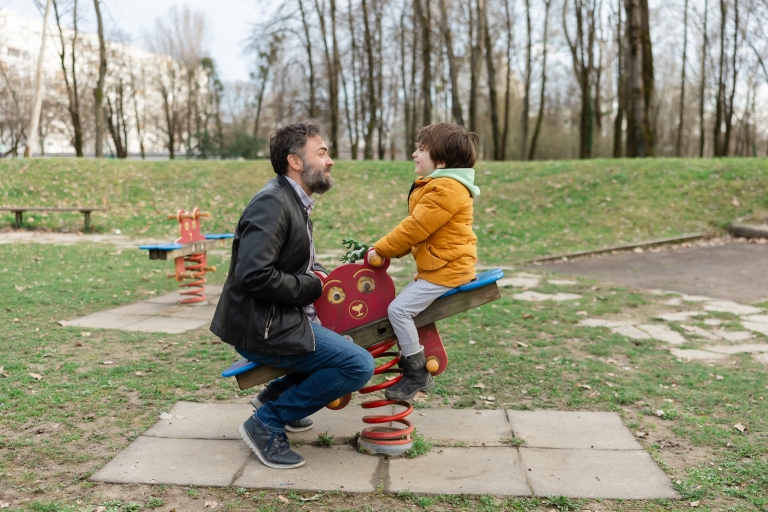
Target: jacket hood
[(464, 176)]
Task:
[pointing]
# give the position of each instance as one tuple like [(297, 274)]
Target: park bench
[(19, 211), (471, 295)]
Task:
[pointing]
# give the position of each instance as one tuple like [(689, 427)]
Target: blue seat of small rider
[(173, 247), (484, 279)]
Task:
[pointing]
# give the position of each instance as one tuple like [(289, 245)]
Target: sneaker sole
[(289, 428), (247, 439)]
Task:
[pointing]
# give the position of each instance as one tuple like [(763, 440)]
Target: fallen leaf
[(3, 373), (539, 367), (55, 425), (642, 435), (4, 504), (659, 413), (139, 374), (472, 342), (211, 504), (521, 344), (180, 417), (491, 398), (594, 394), (101, 509), (78, 343), (479, 385), (694, 503), (527, 316), (283, 499), (741, 428), (19, 288), (36, 376), (490, 209), (584, 386), (88, 416), (108, 363), (735, 203), (85, 334), (610, 361), (15, 320), (719, 377), (312, 498), (165, 416)]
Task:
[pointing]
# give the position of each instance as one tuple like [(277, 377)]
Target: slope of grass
[(525, 209)]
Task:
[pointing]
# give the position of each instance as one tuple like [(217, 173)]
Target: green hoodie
[(464, 176)]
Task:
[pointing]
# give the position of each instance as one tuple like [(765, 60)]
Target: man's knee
[(363, 365)]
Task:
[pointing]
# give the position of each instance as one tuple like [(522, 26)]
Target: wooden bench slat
[(374, 332), (20, 210)]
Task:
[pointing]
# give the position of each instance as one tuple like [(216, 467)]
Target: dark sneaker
[(271, 447), (301, 425), (415, 378)]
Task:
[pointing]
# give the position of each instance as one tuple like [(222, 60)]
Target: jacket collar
[(286, 183)]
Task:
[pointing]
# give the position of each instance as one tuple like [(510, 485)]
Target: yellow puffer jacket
[(438, 231)]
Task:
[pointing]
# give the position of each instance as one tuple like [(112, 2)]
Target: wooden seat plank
[(19, 211), (380, 330)]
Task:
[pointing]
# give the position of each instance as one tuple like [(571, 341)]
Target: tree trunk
[(649, 132), (71, 86), (679, 145), (491, 68), (720, 100), (621, 88), (354, 141), (583, 62), (136, 116), (453, 68), (308, 47), (406, 104), (634, 70), (98, 92), (703, 82), (527, 84), (368, 152), (37, 102), (734, 74), (474, 66), (423, 13), (333, 75), (542, 97)]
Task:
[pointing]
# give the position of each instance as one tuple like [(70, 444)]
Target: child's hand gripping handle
[(374, 259)]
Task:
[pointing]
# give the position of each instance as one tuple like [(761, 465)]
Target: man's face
[(316, 173)]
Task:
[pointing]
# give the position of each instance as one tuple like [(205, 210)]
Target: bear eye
[(336, 295), (366, 284)]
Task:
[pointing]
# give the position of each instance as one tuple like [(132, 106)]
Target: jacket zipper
[(269, 320)]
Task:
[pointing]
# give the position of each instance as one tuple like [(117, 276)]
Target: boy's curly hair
[(449, 144)]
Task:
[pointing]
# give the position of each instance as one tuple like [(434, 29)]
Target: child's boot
[(415, 378)]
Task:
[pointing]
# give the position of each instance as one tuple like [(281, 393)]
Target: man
[(265, 311)]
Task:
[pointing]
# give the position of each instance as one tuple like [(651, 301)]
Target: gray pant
[(415, 298)]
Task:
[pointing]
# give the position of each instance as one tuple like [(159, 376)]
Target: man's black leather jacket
[(261, 305)]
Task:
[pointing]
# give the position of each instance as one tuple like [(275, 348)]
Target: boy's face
[(424, 164)]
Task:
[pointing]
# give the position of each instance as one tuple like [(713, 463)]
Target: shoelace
[(280, 441)]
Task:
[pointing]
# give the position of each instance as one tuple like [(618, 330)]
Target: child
[(438, 232)]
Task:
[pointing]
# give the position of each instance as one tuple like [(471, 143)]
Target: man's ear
[(295, 163)]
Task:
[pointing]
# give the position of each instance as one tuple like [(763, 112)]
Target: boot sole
[(256, 404), (247, 439), (425, 389)]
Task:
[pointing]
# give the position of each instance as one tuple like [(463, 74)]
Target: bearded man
[(265, 311)]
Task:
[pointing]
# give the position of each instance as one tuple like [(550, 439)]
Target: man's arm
[(262, 237)]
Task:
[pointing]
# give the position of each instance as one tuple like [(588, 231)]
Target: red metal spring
[(197, 270), (380, 434)]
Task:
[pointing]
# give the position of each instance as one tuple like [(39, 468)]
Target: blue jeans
[(335, 368)]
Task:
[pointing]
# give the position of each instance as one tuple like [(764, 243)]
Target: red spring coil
[(196, 292), (380, 434)]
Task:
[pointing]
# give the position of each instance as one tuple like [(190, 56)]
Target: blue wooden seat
[(174, 246), (490, 276)]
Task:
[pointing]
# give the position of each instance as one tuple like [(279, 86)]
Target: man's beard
[(316, 180)]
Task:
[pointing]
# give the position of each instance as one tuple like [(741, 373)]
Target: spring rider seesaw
[(354, 303), (190, 254)]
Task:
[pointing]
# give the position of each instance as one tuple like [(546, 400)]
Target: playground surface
[(576, 454)]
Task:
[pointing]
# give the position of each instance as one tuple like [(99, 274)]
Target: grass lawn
[(64, 413)]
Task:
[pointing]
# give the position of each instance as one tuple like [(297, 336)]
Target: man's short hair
[(290, 140), (449, 144)]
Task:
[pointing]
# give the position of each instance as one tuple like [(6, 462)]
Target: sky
[(229, 22)]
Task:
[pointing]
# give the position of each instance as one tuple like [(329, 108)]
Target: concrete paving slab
[(168, 298), (727, 306), (663, 333), (342, 425), (106, 320), (202, 421), (572, 429), (166, 324), (736, 349), (467, 427), (339, 468), (195, 312), (696, 355), (141, 308), (460, 471), (757, 327), (519, 282), (714, 271), (608, 474), (152, 460)]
